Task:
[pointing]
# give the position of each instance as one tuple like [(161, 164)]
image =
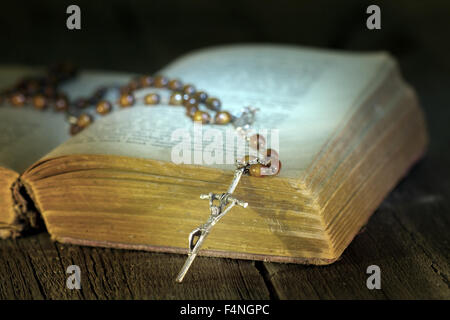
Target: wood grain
[(34, 268), (408, 235), (407, 238)]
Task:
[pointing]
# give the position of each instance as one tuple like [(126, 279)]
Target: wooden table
[(407, 237)]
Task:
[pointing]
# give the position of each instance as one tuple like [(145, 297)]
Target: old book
[(349, 129)]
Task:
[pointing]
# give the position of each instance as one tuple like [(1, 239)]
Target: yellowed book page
[(304, 93), (26, 135)]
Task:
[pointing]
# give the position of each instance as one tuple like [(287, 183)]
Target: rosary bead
[(191, 101), (175, 85), (61, 103), (222, 117), (146, 81), (257, 142), (126, 100), (161, 82), (186, 97), (201, 96), (213, 104), (39, 102), (202, 116), (152, 99), (134, 84), (84, 120), (191, 110), (255, 170), (18, 99), (189, 89), (103, 107), (176, 99), (74, 129), (125, 90)]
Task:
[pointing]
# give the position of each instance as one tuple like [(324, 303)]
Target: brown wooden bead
[(18, 99), (202, 116), (39, 102), (152, 99), (74, 129), (189, 89), (126, 100), (257, 142), (191, 101), (213, 104), (175, 85), (186, 97), (255, 170), (161, 82), (125, 90), (84, 120), (103, 107), (61, 103), (191, 110), (134, 84), (176, 99), (201, 96), (146, 81), (222, 117)]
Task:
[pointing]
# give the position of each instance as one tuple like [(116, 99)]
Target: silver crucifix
[(242, 123), (226, 202)]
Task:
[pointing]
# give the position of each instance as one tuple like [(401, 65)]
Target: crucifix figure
[(225, 202)]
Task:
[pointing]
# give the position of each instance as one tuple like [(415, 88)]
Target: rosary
[(43, 92)]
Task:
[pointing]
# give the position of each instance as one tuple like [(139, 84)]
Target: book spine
[(26, 216)]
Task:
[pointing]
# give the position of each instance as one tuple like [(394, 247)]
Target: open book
[(349, 128)]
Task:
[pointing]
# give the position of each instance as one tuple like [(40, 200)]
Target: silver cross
[(226, 202)]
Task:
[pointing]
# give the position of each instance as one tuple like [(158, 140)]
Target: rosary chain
[(43, 92)]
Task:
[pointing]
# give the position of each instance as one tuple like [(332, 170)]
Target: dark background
[(408, 236), (143, 36)]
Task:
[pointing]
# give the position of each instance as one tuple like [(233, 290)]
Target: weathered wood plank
[(407, 238), (35, 268)]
